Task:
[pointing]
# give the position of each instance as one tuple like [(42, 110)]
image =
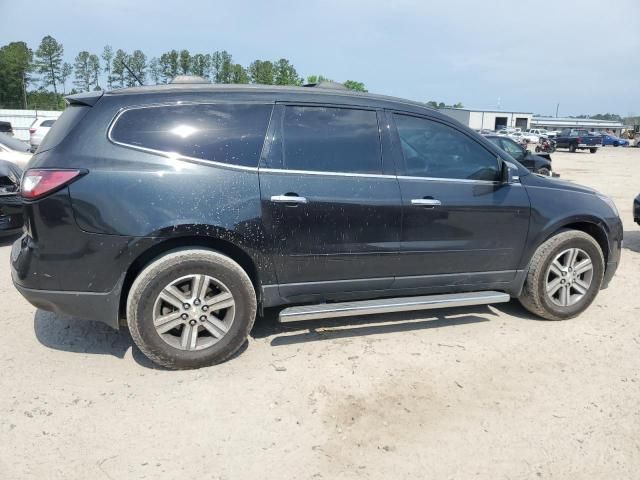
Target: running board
[(389, 305)]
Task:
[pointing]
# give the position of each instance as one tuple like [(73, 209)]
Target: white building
[(489, 119)]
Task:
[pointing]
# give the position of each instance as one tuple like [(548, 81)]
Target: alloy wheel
[(569, 277), (193, 312)]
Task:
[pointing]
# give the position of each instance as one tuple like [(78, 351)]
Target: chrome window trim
[(333, 174)]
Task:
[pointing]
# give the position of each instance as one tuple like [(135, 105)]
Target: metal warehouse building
[(555, 123), (489, 119)]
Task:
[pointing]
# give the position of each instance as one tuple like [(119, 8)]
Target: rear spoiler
[(86, 98)]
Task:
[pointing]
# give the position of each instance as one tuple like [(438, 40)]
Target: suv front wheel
[(565, 275), (191, 308)]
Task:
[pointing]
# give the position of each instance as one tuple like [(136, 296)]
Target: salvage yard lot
[(483, 392)]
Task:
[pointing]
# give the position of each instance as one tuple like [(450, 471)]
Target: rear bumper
[(101, 307)]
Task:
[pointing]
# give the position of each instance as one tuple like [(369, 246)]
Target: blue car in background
[(613, 140)]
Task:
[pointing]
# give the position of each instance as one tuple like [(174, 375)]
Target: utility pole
[(24, 89), (557, 107)]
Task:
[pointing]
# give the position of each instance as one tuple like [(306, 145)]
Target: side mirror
[(507, 170)]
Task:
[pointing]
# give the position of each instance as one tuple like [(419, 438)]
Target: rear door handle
[(288, 199), (426, 202)]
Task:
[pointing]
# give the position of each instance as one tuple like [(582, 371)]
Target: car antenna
[(131, 72)]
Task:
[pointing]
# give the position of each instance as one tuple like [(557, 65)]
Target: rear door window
[(329, 139), (225, 133)]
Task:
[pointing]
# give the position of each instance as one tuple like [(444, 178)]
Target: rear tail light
[(32, 131), (579, 140), (38, 183)]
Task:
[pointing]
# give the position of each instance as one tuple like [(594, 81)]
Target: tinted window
[(47, 123), (512, 148), (432, 149), (226, 133), (328, 139)]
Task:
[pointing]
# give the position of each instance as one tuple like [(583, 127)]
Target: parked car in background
[(10, 200), (187, 209), (14, 150), (608, 140), (39, 128), (6, 128), (530, 137), (636, 210), (539, 132), (578, 139), (532, 162)]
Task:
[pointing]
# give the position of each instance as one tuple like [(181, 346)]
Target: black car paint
[(636, 209), (84, 244)]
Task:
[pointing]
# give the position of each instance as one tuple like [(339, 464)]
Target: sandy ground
[(489, 393)]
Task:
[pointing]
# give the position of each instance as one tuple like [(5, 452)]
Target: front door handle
[(288, 199), (426, 202)]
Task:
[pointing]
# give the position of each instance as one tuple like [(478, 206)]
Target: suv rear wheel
[(564, 276), (191, 308)]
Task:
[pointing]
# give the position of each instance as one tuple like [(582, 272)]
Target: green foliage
[(285, 73), (201, 65), (184, 62), (353, 85), (169, 65), (15, 66), (17, 63), (261, 71), (434, 104), (49, 61), (118, 69), (137, 62), (107, 58), (45, 100)]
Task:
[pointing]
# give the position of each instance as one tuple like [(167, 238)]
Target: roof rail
[(189, 79), (327, 84)]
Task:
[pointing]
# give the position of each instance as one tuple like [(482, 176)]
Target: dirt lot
[(478, 392)]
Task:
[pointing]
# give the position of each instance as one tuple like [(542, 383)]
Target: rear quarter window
[(225, 133), (61, 127)]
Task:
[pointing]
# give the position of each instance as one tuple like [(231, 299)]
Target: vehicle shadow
[(632, 240), (334, 328), (76, 335)]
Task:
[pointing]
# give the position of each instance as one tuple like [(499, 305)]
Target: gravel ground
[(484, 392)]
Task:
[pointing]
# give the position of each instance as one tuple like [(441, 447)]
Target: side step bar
[(389, 305)]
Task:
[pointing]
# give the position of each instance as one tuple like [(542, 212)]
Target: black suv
[(186, 209)]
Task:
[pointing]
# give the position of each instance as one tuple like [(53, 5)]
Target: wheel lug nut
[(562, 281), (196, 302), (205, 308), (564, 274), (203, 318), (186, 306), (184, 316), (192, 322)]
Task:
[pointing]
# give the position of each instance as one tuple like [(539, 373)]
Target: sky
[(512, 55)]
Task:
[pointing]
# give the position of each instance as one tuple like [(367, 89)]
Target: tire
[(616, 144), (572, 148), (219, 333), (538, 149), (544, 171), (534, 296), (593, 150)]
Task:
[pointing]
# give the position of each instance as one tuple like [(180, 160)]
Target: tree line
[(40, 79)]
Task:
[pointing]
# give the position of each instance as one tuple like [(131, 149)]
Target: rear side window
[(329, 139), (47, 123), (61, 127), (225, 133), (435, 150)]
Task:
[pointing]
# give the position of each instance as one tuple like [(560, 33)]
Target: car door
[(332, 212), (461, 225)]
